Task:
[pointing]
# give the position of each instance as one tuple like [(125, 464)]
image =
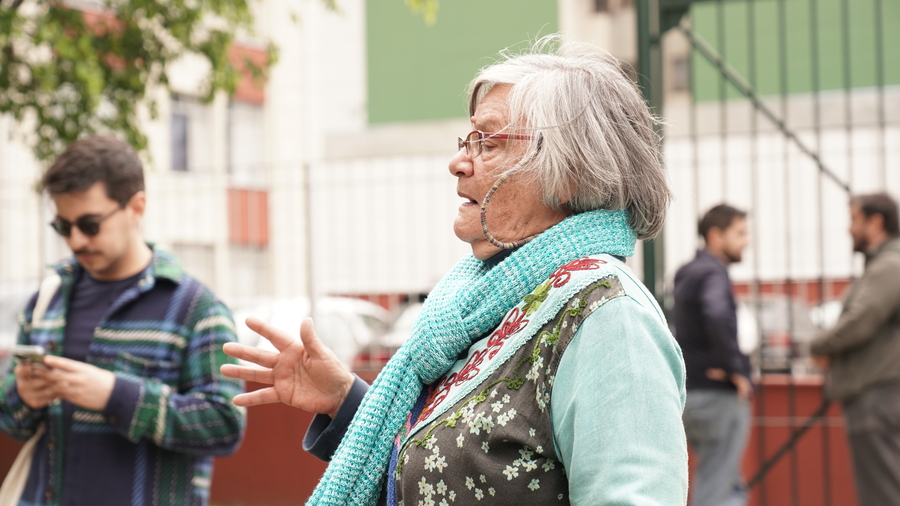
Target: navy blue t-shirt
[(90, 301)]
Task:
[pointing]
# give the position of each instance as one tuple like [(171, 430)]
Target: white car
[(373, 356), (343, 324)]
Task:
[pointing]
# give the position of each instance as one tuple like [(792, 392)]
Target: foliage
[(72, 68), (76, 67), (428, 9)]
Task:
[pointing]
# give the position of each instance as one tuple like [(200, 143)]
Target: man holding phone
[(131, 396)]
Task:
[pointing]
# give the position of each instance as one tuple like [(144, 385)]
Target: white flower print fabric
[(496, 445)]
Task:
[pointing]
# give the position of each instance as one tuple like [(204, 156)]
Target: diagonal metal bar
[(795, 436), (748, 91)]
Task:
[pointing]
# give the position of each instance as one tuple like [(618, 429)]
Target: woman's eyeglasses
[(474, 142), (89, 224)]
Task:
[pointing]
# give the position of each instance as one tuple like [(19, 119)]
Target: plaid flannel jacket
[(163, 339)]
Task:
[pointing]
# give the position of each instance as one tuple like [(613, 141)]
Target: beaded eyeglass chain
[(487, 198)]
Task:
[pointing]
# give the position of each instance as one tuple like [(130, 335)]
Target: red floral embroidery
[(514, 323), (564, 273)]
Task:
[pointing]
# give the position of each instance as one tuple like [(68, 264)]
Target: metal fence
[(783, 108)]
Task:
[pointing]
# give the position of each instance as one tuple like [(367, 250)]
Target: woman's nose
[(461, 165)]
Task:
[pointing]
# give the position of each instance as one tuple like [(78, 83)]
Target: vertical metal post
[(309, 263), (817, 126), (879, 84), (783, 91), (848, 85), (723, 100), (695, 148), (756, 220), (650, 81)]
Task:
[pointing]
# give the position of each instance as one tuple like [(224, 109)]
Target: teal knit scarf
[(467, 303)]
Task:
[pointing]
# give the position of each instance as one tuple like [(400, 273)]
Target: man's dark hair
[(100, 158), (719, 217), (880, 203)]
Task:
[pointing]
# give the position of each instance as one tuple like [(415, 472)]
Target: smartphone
[(29, 354)]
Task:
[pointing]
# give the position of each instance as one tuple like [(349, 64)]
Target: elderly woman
[(540, 370)]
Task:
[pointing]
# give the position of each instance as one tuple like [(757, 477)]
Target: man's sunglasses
[(89, 224)]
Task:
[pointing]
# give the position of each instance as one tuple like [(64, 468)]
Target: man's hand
[(717, 374), (35, 391), (81, 384), (304, 373), (743, 385), (823, 362)]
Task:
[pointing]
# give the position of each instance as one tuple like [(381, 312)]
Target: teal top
[(467, 303), (616, 408)]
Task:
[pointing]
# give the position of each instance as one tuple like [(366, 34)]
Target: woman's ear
[(566, 195)]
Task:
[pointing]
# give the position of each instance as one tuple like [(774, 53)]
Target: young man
[(717, 412), (862, 353), (132, 400)]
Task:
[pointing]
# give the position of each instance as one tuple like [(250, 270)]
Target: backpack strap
[(48, 289)]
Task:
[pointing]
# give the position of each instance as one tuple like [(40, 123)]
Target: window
[(191, 131)]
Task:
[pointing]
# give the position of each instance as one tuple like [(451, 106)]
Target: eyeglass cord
[(487, 198)]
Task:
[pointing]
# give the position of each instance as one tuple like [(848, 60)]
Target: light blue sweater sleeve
[(616, 410)]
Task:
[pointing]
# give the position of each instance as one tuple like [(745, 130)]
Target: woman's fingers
[(248, 373), (257, 397), (311, 343), (255, 355), (277, 337)]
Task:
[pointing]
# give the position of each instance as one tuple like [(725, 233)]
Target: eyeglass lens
[(472, 143), (89, 225)]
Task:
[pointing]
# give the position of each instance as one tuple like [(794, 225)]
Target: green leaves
[(67, 73), (73, 73), (427, 8)]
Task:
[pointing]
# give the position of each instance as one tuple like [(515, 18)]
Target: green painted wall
[(732, 18), (420, 72)]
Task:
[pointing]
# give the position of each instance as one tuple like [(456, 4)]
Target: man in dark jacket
[(862, 353), (717, 411)]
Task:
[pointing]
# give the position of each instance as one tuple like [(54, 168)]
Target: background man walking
[(862, 353), (717, 411), (133, 403)]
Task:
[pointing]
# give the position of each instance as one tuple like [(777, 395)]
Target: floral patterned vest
[(483, 431)]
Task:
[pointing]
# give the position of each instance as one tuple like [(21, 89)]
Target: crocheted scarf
[(467, 303)]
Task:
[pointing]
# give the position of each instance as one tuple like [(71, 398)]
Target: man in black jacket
[(717, 411)]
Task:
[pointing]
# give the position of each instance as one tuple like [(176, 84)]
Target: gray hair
[(594, 135)]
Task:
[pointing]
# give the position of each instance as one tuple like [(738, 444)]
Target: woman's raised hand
[(303, 373)]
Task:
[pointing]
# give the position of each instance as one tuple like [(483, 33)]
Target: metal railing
[(784, 111)]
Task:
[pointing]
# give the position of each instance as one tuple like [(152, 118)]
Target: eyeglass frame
[(483, 136), (61, 224)]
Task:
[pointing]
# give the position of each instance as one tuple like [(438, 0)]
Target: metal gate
[(783, 108)]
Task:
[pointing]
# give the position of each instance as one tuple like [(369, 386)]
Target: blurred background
[(325, 189)]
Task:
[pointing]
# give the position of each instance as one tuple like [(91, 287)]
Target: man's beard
[(733, 256), (860, 244)]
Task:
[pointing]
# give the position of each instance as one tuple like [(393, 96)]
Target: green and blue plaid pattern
[(170, 400)]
